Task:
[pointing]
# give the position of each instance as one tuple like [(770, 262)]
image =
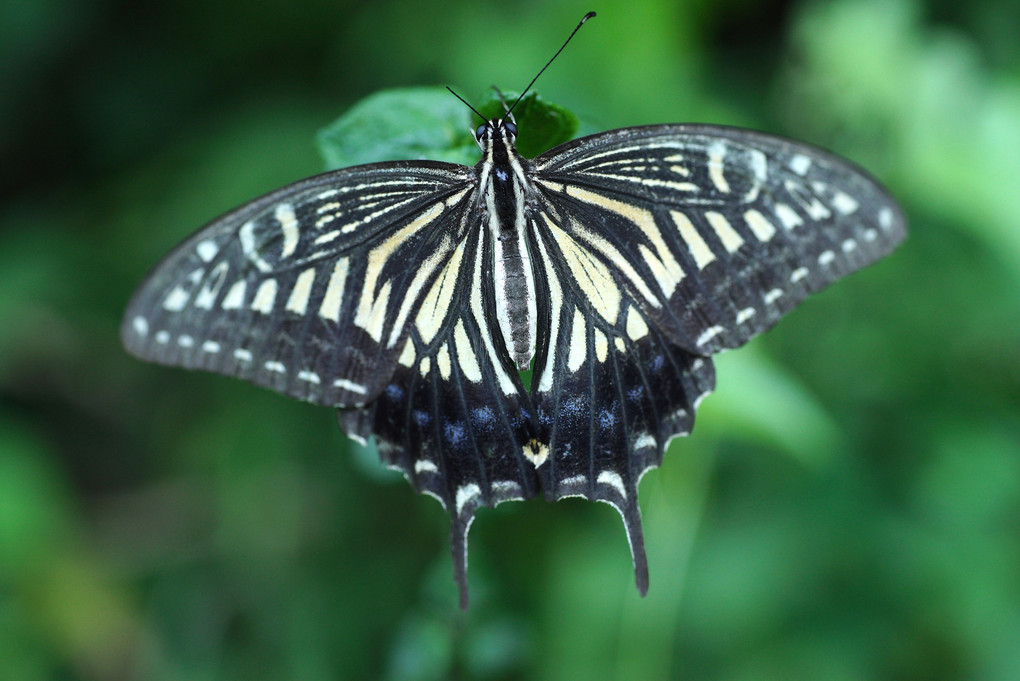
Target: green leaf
[(404, 124), (430, 123)]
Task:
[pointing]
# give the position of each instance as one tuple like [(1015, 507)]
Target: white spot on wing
[(759, 166), (234, 299), (578, 343), (407, 355), (844, 203), (745, 314), (788, 216), (762, 228), (247, 237), (800, 164), (508, 490), (242, 355), (613, 479), (326, 238), (350, 386), (309, 376), (333, 299), (811, 204), (573, 483), (275, 367), (298, 301), (176, 300), (826, 258), (185, 341), (212, 347), (443, 362), (265, 297), (425, 466), (716, 154), (465, 495), (207, 296), (207, 250), (885, 218), (798, 274), (636, 326), (289, 225), (140, 325), (644, 441), (601, 346), (772, 296), (709, 334)]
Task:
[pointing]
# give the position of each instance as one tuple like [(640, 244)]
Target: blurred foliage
[(848, 507)]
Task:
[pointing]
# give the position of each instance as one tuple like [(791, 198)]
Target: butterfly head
[(496, 128)]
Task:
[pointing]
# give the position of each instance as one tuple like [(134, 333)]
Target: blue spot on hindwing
[(456, 433)]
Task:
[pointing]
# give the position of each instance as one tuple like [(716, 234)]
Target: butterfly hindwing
[(718, 231), (455, 418), (610, 388), (307, 290)]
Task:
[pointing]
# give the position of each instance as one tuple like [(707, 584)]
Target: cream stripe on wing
[(591, 275), (665, 268), (372, 305)]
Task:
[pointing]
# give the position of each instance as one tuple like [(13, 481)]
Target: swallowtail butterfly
[(408, 295)]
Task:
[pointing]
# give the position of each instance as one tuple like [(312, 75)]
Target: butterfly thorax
[(503, 190)]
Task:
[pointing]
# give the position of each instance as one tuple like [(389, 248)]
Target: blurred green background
[(848, 507)]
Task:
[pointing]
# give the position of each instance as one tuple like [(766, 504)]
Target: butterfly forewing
[(717, 231), (308, 290)]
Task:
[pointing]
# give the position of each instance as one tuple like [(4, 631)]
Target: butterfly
[(411, 295)]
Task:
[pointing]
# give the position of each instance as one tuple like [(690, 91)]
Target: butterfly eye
[(511, 127), (481, 130)]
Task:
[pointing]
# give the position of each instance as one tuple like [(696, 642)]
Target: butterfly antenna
[(465, 102), (577, 28)]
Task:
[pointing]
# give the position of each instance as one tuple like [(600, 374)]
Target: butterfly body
[(503, 188)]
